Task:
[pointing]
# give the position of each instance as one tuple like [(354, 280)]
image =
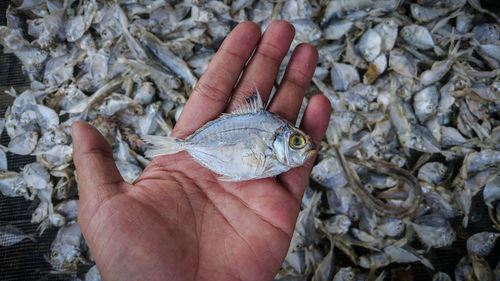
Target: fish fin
[(260, 144), (42, 227), (253, 104), (228, 178), (425, 262), (78, 107), (32, 237), (439, 51), (162, 145)]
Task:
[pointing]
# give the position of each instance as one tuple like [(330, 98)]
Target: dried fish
[(441, 276), (343, 76), (10, 235), (482, 243), (65, 250), (12, 184), (36, 176), (370, 45), (406, 255), (262, 155), (23, 144), (434, 231)]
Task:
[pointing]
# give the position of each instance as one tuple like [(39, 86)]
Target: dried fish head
[(36, 176), (432, 172), (41, 212), (12, 184), (68, 208), (345, 274), (370, 45), (418, 36), (328, 173), (65, 250), (434, 231), (58, 155), (129, 171), (441, 276), (306, 30), (491, 192), (338, 224), (24, 144), (391, 227), (482, 243)]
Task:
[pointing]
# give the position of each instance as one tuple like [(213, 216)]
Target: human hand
[(177, 221)]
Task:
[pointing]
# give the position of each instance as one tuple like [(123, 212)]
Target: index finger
[(209, 98)]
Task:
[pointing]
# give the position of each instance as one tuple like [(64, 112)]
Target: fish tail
[(32, 237), (162, 145)]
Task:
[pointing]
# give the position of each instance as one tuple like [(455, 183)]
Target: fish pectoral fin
[(274, 169), (229, 178), (260, 144), (256, 158)]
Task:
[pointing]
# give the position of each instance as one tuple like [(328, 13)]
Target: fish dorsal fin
[(253, 104)]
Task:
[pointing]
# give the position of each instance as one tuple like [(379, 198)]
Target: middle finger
[(264, 65)]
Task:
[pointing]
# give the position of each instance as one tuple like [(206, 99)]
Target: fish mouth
[(310, 152)]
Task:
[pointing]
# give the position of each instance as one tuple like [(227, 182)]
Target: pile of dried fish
[(414, 134)]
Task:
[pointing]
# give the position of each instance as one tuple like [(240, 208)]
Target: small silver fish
[(249, 143), (10, 235), (482, 243), (65, 251)]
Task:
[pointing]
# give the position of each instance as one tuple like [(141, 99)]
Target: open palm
[(177, 221)]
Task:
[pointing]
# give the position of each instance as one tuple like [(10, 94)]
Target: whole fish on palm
[(249, 143)]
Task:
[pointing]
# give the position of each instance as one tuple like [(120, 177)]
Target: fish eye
[(297, 141), (461, 83)]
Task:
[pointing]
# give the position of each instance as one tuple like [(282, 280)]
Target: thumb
[(98, 176)]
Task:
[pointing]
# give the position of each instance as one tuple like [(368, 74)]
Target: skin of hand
[(177, 221)]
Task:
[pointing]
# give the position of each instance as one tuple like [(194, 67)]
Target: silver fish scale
[(227, 145), (237, 129)]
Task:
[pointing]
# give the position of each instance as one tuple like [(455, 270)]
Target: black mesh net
[(26, 260)]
